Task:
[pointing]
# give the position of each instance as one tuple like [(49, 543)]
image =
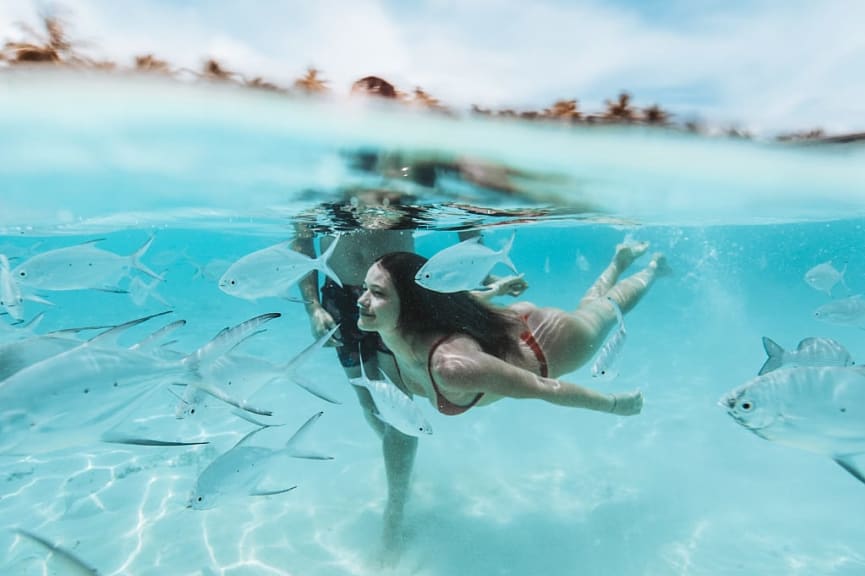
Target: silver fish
[(462, 266), (243, 469), (848, 311), (824, 277), (809, 352), (272, 271), (604, 366), (820, 409), (241, 376), (81, 267), (89, 389), (393, 406), (10, 293)]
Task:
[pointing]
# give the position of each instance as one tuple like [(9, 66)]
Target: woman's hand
[(627, 404)]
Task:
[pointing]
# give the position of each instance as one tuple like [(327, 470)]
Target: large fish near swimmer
[(809, 352), (81, 267), (820, 409), (463, 266), (392, 405), (272, 271), (247, 470)]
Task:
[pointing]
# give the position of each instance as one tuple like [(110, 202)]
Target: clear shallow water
[(513, 488)]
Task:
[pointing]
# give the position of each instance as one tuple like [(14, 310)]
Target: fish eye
[(200, 498), (746, 406), (232, 282), (22, 273)]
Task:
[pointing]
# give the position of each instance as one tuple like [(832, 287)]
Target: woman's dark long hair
[(424, 311)]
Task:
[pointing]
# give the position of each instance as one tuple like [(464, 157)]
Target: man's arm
[(319, 319)]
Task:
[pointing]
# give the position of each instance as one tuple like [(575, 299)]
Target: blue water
[(519, 487)]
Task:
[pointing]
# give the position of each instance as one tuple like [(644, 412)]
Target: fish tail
[(322, 265), (138, 265), (299, 452), (505, 253), (775, 356)]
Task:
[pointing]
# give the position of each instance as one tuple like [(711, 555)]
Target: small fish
[(824, 277), (462, 266), (820, 409), (272, 271), (245, 375), (89, 389), (243, 469), (604, 365), (848, 311), (10, 293), (810, 352), (64, 561), (81, 267), (393, 406)]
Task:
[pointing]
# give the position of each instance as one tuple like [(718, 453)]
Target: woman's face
[(379, 303)]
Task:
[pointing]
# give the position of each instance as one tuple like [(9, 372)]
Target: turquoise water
[(519, 487)]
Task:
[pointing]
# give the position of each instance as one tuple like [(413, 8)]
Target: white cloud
[(768, 65)]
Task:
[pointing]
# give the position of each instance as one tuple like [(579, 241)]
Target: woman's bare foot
[(628, 251), (660, 265)]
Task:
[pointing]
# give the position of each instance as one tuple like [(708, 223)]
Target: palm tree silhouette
[(620, 110), (564, 110), (654, 115), (311, 82), (49, 47)]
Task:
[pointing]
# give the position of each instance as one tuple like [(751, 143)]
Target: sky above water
[(766, 66)]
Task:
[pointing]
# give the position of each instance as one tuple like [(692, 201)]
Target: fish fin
[(775, 355), (242, 414), (846, 463), (227, 339), (34, 322), (138, 265), (110, 335), (321, 263), (38, 299), (314, 389), (62, 553), (220, 394), (148, 344), (115, 438), (271, 492), (506, 251), (291, 367), (294, 450), (112, 290)]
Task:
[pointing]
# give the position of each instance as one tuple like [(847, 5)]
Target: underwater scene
[(168, 407)]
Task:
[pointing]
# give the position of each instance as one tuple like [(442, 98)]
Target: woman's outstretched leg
[(571, 339), (631, 290), (626, 253)]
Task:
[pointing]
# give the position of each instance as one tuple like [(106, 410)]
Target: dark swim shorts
[(341, 304)]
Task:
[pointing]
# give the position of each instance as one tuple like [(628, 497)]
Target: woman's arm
[(460, 365)]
